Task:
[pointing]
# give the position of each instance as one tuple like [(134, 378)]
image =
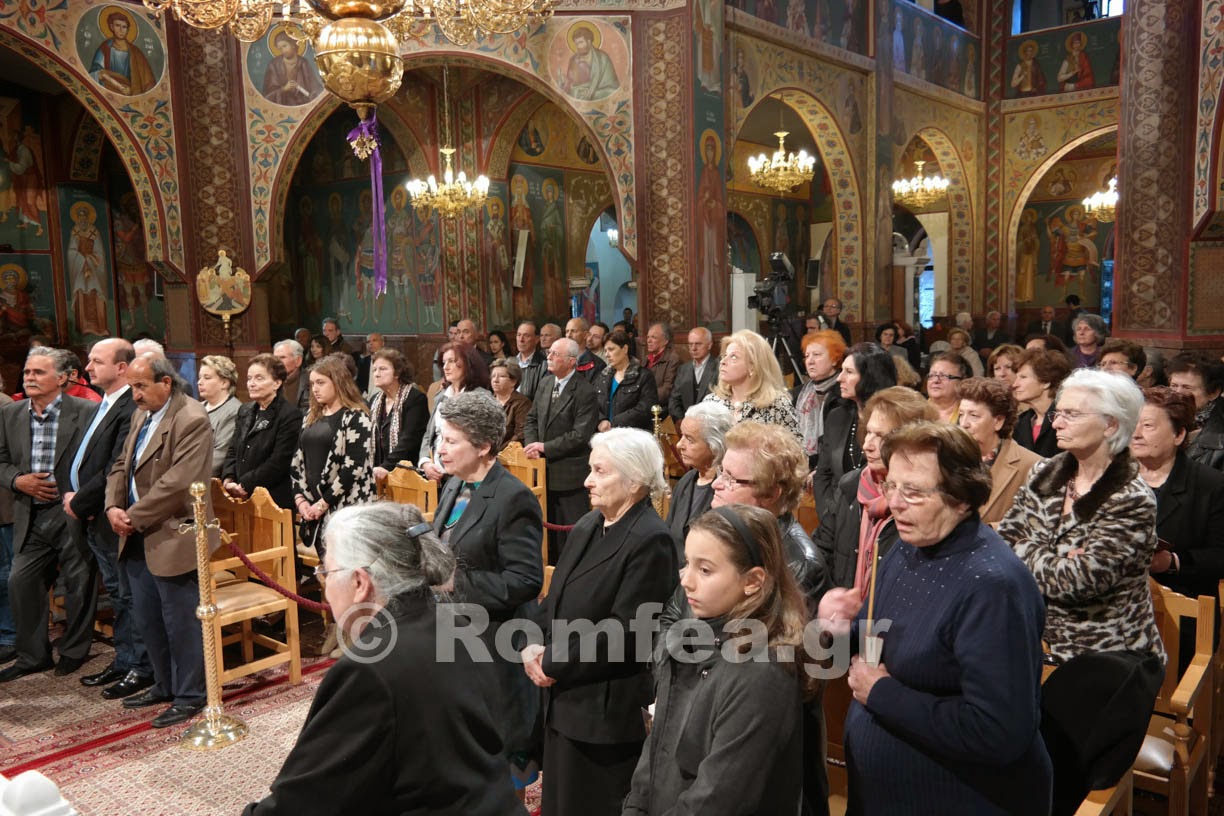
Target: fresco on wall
[(23, 199), (497, 255), (88, 261), (330, 251), (140, 310), (932, 49), (587, 59), (551, 137), (120, 48), (745, 249), (537, 215), (709, 274), (1059, 250), (1064, 60), (840, 23), (27, 297), (283, 69)]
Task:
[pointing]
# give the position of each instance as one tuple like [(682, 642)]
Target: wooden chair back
[(531, 472), (269, 543), (668, 436), (406, 486)]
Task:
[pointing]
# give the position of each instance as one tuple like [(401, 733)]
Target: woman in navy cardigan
[(947, 719)]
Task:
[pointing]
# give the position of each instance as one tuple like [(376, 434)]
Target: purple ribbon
[(364, 141)]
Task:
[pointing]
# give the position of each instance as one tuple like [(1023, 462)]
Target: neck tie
[(1045, 328), (556, 389), (140, 438), (99, 415)]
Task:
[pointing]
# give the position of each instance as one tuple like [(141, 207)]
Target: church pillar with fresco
[(1155, 171)]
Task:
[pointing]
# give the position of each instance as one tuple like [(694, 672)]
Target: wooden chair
[(533, 473), (406, 486), (805, 513), (668, 436), (1217, 700), (269, 544), (1172, 761), (1116, 801)]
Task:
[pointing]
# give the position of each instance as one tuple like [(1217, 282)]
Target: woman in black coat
[(393, 728), (399, 411), (1189, 496), (726, 737), (702, 443), (265, 436), (617, 561), (1038, 375), (625, 391), (495, 528)]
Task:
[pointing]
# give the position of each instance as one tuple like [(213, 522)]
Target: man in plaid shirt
[(38, 439)]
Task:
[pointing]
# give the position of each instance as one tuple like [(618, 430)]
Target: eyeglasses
[(938, 377), (1072, 416), (731, 481), (908, 493), (320, 572)]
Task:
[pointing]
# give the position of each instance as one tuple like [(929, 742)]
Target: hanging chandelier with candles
[(454, 194), (921, 190), (1103, 204), (459, 20), (781, 172)]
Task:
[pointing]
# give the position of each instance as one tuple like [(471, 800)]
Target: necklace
[(856, 457)]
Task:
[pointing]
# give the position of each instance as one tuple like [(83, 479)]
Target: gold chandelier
[(459, 20), (921, 190), (781, 172), (454, 194), (1103, 204)]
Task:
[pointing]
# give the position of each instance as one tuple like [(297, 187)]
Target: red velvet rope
[(314, 606), (558, 528)]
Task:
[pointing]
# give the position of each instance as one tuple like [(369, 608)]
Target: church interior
[(142, 152)]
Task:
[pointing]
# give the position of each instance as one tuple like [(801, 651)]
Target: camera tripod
[(784, 351)]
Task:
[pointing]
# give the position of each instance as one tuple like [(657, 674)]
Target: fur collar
[(1062, 468)]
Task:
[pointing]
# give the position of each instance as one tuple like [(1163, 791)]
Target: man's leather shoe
[(8, 653), (17, 670), (149, 698), (67, 665), (176, 714), (129, 685), (103, 678)]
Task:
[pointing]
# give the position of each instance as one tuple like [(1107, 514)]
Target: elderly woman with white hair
[(393, 728), (1085, 524), (701, 448), (618, 562)]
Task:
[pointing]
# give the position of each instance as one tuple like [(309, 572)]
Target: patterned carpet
[(107, 759)]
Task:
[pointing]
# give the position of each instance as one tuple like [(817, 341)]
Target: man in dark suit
[(1046, 325), (102, 443), (589, 365), (561, 422), (296, 388), (662, 359), (168, 447), (991, 336), (531, 361), (830, 318), (338, 342), (696, 377), (373, 342), (38, 438)]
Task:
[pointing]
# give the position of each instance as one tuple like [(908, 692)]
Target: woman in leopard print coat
[(1085, 524)]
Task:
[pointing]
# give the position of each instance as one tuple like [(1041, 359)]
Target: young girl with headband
[(727, 736)]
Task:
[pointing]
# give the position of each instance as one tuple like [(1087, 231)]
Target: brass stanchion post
[(217, 729)]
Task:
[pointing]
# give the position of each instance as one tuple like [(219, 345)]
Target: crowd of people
[(1003, 516)]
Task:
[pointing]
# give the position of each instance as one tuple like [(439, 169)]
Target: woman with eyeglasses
[(947, 709), (1038, 377), (947, 371), (1085, 524), (866, 369), (393, 728)]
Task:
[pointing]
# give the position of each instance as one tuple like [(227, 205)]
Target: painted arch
[(960, 219)]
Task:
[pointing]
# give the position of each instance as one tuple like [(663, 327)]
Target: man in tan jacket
[(148, 495)]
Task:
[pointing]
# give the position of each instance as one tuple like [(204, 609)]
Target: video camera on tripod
[(772, 299)]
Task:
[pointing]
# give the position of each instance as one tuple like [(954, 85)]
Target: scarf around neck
[(875, 515)]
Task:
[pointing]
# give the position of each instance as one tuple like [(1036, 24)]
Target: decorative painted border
[(1061, 100), (1210, 86)]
